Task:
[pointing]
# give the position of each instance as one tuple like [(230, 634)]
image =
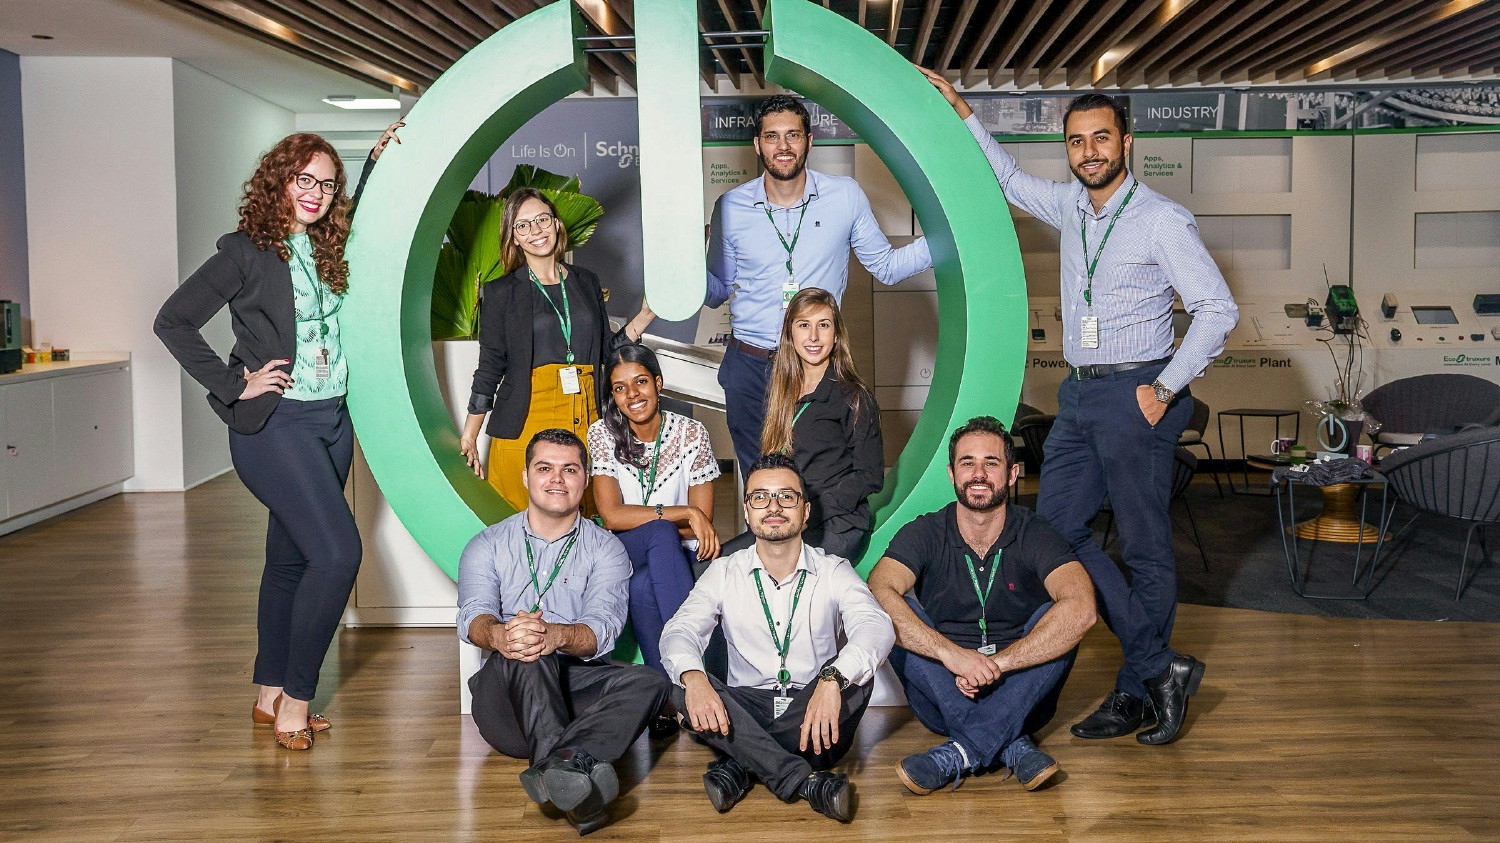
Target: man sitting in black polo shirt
[(1001, 603)]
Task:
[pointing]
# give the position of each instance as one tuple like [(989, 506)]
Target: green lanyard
[(782, 645), (317, 291), (541, 591), (795, 235), (564, 316), (984, 596), (1083, 231), (649, 486), (800, 410)]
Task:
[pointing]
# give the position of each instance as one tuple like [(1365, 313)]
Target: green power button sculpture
[(404, 427)]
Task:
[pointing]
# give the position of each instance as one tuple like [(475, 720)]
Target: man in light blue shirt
[(545, 591), (1126, 249), (790, 229)]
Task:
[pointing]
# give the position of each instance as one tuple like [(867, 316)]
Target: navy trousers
[(1102, 446), (660, 581), (745, 380), (297, 465), (1021, 704)]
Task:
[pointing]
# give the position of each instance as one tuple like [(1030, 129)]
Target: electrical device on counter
[(10, 336), (1342, 309)]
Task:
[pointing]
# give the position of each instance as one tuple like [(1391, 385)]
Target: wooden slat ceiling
[(1113, 44)]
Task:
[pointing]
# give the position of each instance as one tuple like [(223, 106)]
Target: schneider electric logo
[(1470, 360)]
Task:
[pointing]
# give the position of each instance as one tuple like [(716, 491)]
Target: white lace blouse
[(687, 459)]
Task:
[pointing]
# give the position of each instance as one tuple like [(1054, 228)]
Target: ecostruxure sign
[(403, 424)]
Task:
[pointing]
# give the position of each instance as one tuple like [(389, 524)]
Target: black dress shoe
[(571, 776), (532, 780), (590, 823), (662, 727), (830, 794), (726, 783), (1119, 715), (1169, 694)]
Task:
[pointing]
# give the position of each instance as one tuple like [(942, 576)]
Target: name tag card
[(568, 375)]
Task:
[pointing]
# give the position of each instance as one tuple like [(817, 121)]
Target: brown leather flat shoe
[(298, 740), (316, 722)]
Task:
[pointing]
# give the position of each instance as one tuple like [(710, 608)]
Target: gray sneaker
[(1031, 767)]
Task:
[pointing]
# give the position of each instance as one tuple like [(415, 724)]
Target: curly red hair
[(266, 211)]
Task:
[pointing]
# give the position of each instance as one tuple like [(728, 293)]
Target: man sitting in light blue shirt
[(788, 230), (546, 591), (1126, 250)]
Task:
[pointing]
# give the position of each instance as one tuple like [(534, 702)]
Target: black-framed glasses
[(793, 136), (541, 222), (760, 498), (306, 181)]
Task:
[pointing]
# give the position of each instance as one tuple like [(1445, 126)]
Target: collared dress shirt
[(746, 258), (836, 604), (1154, 250), (592, 588)]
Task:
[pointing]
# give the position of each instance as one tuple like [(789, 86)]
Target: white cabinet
[(65, 438)]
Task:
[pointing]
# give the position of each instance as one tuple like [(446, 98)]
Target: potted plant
[(470, 256), (1341, 417)]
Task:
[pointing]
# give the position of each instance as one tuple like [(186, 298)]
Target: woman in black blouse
[(543, 334), (820, 411)]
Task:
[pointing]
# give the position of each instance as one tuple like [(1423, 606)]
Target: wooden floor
[(127, 636)]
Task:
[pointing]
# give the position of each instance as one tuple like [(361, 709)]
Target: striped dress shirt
[(1153, 251)]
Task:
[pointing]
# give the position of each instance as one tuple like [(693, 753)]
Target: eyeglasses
[(760, 498), (306, 181), (792, 137), (542, 222)]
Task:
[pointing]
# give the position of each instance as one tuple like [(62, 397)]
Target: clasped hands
[(525, 637), (972, 670)]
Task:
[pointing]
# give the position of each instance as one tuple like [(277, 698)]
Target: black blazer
[(502, 381), (257, 286), (839, 453)]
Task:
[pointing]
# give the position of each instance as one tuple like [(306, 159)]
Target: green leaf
[(579, 215), (526, 175)]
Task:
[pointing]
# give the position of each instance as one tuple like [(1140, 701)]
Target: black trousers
[(529, 709), (768, 746), (297, 466)]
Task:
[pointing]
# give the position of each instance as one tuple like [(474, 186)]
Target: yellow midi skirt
[(549, 408)]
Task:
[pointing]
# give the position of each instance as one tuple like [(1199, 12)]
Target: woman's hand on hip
[(266, 379)]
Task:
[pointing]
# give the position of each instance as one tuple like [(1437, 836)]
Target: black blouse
[(838, 449), (547, 342)]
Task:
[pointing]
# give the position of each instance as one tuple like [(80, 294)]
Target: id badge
[(779, 706), (987, 650), (322, 369), (568, 375), (788, 289), (1089, 337)]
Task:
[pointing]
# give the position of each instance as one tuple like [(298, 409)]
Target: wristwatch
[(1163, 394), (831, 674)]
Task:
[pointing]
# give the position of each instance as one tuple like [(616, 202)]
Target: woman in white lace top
[(653, 484)]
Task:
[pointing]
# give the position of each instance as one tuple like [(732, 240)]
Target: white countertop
[(36, 371)]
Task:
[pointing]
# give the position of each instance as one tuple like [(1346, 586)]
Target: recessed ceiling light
[(367, 103), (42, 37)]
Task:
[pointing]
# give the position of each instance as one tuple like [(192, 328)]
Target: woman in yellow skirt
[(543, 333)]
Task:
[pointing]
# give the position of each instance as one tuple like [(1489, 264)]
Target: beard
[(991, 501), (783, 173), (1111, 171), (784, 531)]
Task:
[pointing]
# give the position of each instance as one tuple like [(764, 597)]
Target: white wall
[(220, 133), (134, 169), (101, 207)]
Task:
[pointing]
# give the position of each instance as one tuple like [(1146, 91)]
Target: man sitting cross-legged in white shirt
[(793, 698)]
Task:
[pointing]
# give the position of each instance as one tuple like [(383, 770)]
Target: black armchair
[(1409, 408), (1455, 476), (1192, 437)]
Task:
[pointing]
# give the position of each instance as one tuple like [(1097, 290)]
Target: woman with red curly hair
[(283, 276)]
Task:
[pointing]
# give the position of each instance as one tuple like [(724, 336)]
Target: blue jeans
[(745, 380), (660, 581), (1023, 702), (1102, 446)]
